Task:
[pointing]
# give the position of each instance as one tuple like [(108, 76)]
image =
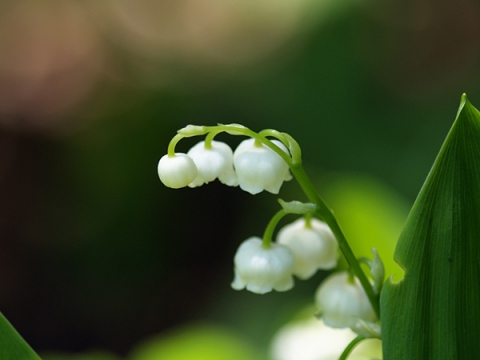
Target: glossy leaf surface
[(434, 312)]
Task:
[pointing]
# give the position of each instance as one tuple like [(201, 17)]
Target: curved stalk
[(326, 214), (350, 347), (267, 235)]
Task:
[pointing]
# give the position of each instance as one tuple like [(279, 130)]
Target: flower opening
[(212, 163), (260, 269), (342, 302), (314, 247), (260, 168)]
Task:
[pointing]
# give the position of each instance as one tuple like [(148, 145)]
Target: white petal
[(259, 168), (313, 247), (312, 340), (176, 171), (212, 163), (238, 283), (342, 302), (260, 270)]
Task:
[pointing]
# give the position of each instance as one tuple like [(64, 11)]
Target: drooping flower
[(310, 339), (260, 168), (343, 302), (176, 171), (312, 244), (214, 162), (262, 269)]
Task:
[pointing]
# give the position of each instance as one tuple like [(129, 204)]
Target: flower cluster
[(253, 166), (301, 249)]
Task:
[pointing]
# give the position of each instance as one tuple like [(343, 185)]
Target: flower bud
[(176, 171), (313, 246), (212, 163), (260, 168), (262, 269), (343, 302)]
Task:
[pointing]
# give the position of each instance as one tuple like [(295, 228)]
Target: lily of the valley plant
[(311, 242), (433, 313)]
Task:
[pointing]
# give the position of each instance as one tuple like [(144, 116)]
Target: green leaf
[(12, 345), (434, 312)]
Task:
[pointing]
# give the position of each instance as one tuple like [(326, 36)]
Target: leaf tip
[(466, 108), (463, 101)]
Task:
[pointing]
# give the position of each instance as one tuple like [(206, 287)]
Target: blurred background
[(98, 260)]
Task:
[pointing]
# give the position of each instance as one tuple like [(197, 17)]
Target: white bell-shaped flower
[(311, 339), (259, 167), (343, 302), (262, 269), (313, 246), (212, 163), (176, 171)]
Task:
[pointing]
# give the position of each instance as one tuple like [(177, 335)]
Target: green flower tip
[(297, 207), (192, 130), (233, 129)]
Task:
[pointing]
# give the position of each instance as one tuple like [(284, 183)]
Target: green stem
[(235, 129), (173, 143), (326, 214), (308, 220), (267, 235), (247, 132), (209, 138), (288, 141), (350, 347)]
